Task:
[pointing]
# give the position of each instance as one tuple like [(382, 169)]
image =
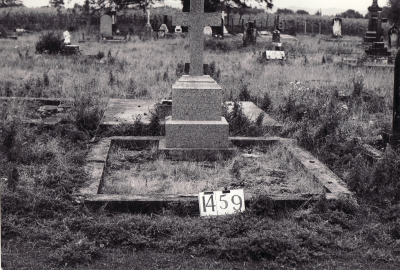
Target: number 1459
[(221, 202)]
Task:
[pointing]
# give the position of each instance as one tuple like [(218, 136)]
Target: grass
[(43, 227), (263, 171)]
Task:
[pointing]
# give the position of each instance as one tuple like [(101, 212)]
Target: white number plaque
[(224, 202)]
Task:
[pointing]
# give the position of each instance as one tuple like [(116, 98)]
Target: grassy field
[(43, 227)]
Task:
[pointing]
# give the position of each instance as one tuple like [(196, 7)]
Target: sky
[(358, 5)]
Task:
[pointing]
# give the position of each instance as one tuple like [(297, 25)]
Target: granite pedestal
[(196, 129)]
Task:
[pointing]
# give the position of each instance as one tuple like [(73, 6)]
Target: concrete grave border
[(97, 158)]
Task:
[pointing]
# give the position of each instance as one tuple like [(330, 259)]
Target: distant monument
[(249, 34), (106, 26), (336, 27), (147, 29), (375, 32), (394, 37)]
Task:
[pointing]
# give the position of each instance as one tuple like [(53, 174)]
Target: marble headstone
[(106, 26)]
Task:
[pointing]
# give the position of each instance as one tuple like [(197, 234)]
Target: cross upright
[(196, 19)]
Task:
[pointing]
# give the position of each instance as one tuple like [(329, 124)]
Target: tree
[(302, 12), (131, 4), (284, 11), (394, 11), (11, 3), (350, 13), (56, 3), (318, 13), (228, 5)]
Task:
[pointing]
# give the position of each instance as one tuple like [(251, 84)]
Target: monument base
[(196, 154), (197, 134), (393, 138), (147, 32)]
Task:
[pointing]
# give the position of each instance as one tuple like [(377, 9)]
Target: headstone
[(147, 29), (178, 29), (249, 34), (196, 123), (223, 30), (162, 31), (276, 36), (147, 32), (394, 37), (336, 27), (106, 26), (275, 55), (393, 136), (67, 38), (208, 30)]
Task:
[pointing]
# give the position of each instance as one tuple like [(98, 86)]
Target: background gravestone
[(336, 27), (207, 30), (393, 136), (394, 37), (106, 26)]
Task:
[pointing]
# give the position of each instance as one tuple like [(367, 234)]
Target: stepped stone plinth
[(196, 123)]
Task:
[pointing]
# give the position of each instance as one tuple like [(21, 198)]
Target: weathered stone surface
[(196, 99), (95, 175), (196, 19), (319, 172), (99, 151), (197, 134), (125, 111), (106, 26)]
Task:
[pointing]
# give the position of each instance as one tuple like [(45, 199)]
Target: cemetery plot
[(260, 170)]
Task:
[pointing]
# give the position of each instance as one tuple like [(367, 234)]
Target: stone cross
[(223, 15), (148, 15), (196, 19)]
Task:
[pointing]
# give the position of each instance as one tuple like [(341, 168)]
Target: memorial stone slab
[(106, 26)]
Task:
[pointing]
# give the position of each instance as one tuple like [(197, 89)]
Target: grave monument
[(147, 29), (336, 27), (393, 136), (375, 32), (106, 26), (249, 34), (394, 37), (196, 126)]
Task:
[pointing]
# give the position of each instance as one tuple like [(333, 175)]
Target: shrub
[(50, 42), (99, 55), (266, 103), (244, 94)]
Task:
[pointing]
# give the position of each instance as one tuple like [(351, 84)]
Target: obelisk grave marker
[(196, 123)]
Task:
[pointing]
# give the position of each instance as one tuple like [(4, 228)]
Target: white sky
[(358, 5)]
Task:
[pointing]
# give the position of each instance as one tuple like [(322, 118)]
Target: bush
[(50, 42)]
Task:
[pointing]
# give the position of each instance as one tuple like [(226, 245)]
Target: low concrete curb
[(97, 157)]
